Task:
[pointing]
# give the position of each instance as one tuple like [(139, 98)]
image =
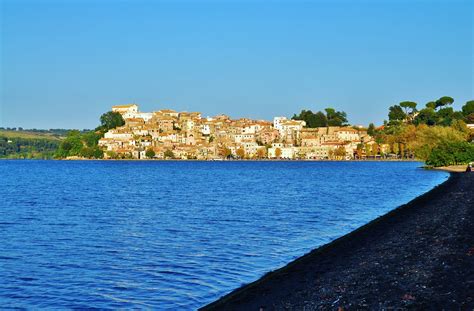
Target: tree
[(335, 118), (262, 152), (340, 152), (227, 153), (359, 150), (426, 116), (168, 154), (468, 111), (150, 153), (431, 105), (460, 125), (447, 115), (444, 101), (240, 153), (371, 129), (111, 120), (396, 114), (112, 154), (470, 118), (428, 137), (450, 153), (320, 120), (312, 119), (92, 153), (409, 107), (72, 145), (468, 108), (91, 138), (278, 153)]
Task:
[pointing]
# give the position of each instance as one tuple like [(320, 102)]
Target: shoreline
[(222, 160), (419, 255), (449, 169)]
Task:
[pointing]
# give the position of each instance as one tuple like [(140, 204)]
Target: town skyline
[(269, 116), (166, 133)]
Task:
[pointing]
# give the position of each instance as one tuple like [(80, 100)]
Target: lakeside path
[(419, 256)]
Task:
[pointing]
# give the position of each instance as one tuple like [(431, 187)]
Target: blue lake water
[(177, 235)]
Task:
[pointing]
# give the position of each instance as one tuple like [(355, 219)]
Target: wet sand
[(419, 256)]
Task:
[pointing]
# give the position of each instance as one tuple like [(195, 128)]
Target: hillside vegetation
[(28, 145)]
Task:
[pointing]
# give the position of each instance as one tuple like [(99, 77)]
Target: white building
[(277, 121), (205, 129), (286, 152), (123, 109), (347, 134), (118, 135)]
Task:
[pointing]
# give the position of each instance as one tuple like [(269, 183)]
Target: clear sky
[(63, 63)]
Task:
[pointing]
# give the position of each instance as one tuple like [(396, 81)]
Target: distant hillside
[(38, 144)]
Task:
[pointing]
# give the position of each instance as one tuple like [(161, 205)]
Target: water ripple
[(176, 235)]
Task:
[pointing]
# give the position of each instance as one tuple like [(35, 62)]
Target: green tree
[(312, 119), (111, 120), (444, 101), (91, 153), (320, 120), (408, 106), (426, 116), (168, 154), (112, 154), (447, 115), (468, 111), (428, 137), (336, 118), (451, 153), (371, 129), (431, 105), (91, 138), (150, 153), (396, 114), (72, 145)]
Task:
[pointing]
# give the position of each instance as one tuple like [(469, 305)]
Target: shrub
[(150, 153), (451, 153)]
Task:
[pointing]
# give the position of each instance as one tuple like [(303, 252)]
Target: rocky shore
[(419, 256)]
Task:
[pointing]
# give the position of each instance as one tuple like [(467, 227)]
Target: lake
[(173, 235)]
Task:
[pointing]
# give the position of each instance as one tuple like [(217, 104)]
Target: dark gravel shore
[(419, 256)]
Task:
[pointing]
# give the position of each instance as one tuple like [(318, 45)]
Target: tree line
[(438, 112), (27, 148), (330, 117), (436, 134), (85, 144)]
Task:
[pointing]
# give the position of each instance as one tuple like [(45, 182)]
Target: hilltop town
[(187, 135)]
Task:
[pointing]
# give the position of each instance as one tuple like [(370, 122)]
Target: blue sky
[(63, 63)]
